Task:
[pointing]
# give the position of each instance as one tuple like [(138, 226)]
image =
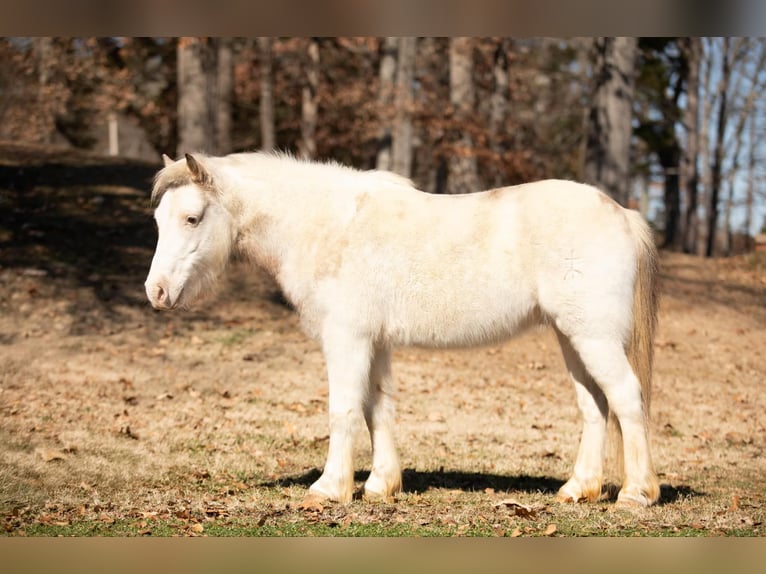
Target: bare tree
[(607, 152), (195, 120), (401, 146), (499, 103), (310, 101), (752, 65), (266, 110), (45, 64), (463, 174), (205, 87), (708, 96), (750, 192), (222, 95), (717, 167), (689, 168), (386, 80)]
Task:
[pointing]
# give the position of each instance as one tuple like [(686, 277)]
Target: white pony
[(370, 262)]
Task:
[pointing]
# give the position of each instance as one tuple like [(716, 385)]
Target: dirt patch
[(110, 411)]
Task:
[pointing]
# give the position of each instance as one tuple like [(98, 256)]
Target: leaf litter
[(496, 415)]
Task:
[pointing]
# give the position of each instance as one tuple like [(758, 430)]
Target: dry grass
[(115, 419)]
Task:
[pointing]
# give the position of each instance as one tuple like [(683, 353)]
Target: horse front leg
[(348, 371), (385, 478)]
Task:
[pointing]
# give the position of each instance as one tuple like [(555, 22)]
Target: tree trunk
[(717, 167), (386, 79), (266, 110), (689, 171), (585, 48), (746, 113), (751, 165), (224, 90), (401, 147), (195, 118), (708, 98), (463, 176), (672, 195), (499, 103), (45, 63), (429, 165), (310, 101), (607, 153)]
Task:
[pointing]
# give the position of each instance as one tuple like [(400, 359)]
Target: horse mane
[(177, 174)]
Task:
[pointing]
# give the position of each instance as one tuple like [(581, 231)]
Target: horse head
[(195, 233)]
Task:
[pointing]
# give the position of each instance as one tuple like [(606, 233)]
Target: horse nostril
[(157, 293), (161, 294)]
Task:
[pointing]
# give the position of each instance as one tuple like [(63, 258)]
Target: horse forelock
[(172, 176)]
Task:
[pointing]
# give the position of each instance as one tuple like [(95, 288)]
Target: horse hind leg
[(586, 481), (607, 363), (385, 477)]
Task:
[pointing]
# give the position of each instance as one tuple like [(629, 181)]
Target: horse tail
[(640, 345)]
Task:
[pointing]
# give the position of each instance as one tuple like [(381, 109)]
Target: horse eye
[(192, 220)]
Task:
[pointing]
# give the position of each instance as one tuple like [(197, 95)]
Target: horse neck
[(272, 207)]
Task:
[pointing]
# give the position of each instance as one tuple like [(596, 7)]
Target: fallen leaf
[(518, 509), (197, 528), (311, 503), (49, 454), (128, 433), (516, 533), (550, 529), (661, 344)]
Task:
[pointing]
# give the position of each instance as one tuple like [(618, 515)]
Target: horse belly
[(460, 315)]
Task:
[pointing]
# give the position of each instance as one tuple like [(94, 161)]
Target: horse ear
[(166, 160), (199, 174)]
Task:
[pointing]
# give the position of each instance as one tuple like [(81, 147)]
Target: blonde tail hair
[(640, 346)]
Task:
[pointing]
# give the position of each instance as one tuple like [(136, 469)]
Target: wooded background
[(673, 127)]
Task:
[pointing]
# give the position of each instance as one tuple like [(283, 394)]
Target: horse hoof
[(327, 496), (375, 496), (314, 501), (567, 498), (574, 492), (629, 501)]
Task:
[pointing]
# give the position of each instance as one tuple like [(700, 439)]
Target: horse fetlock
[(580, 490)]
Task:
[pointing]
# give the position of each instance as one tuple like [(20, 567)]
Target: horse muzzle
[(158, 293)]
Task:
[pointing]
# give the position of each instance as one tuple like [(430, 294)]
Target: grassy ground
[(119, 421)]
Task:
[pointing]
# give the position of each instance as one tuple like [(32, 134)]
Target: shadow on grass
[(70, 214), (670, 494), (417, 481)]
